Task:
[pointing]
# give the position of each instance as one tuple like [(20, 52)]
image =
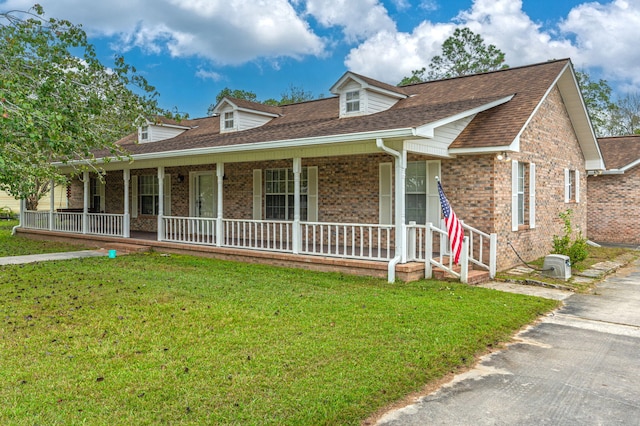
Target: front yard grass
[(17, 246), (150, 338)]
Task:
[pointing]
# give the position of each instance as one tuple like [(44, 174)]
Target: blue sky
[(192, 49)]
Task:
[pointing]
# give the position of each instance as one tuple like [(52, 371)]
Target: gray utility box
[(557, 266)]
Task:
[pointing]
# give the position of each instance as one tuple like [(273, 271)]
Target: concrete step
[(126, 248), (475, 276)]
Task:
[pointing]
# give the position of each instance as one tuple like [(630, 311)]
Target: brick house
[(353, 176), (614, 199)]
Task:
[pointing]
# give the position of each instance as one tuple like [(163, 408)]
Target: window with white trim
[(148, 194), (523, 192), (522, 186), (279, 194), (352, 101), (229, 122), (144, 133), (416, 192), (571, 186), (96, 192)]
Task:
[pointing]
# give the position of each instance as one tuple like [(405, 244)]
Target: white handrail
[(350, 240)]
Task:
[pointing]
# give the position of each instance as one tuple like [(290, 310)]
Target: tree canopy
[(58, 103), (463, 53), (293, 94)]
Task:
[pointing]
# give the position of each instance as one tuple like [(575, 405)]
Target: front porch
[(360, 249)]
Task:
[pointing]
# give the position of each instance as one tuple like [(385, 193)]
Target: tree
[(597, 99), (463, 53), (626, 116), (58, 103), (293, 95)]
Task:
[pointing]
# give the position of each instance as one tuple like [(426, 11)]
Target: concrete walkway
[(17, 260), (577, 366)]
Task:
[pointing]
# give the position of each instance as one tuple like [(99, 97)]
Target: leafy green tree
[(58, 103), (597, 99), (293, 95), (463, 53), (626, 116)]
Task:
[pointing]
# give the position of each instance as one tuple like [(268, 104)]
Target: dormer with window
[(160, 129), (361, 95), (239, 114)]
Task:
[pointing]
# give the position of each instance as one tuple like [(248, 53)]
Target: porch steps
[(126, 248), (475, 276)]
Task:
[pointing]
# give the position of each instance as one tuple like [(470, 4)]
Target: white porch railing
[(195, 230), (350, 240), (105, 224), (67, 222), (258, 234), (437, 236), (482, 246), (36, 219)]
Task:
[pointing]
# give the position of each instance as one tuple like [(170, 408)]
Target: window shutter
[(167, 194), (577, 184), (257, 194), (532, 195), (385, 207), (434, 212), (567, 187), (312, 194), (101, 189), (514, 195), (134, 196)]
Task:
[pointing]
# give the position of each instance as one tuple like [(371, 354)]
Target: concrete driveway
[(578, 366)]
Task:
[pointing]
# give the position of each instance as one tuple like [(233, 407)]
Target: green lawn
[(17, 246), (153, 339)]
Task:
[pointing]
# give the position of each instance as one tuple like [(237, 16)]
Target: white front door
[(203, 194)]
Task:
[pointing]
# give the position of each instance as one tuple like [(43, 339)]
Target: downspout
[(23, 206), (401, 167)]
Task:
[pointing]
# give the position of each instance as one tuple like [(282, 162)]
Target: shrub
[(577, 249)]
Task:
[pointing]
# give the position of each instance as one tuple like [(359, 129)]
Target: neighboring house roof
[(499, 105), (620, 152)]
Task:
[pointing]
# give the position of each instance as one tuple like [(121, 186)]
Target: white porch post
[(160, 203), (85, 203), (401, 228), (295, 234), (219, 213), (126, 220), (52, 203)]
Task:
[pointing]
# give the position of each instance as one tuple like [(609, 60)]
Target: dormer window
[(228, 120), (353, 101), (144, 133)]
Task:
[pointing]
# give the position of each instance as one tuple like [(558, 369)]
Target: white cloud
[(607, 36), (208, 75), (359, 19), (593, 35), (391, 56), (224, 31)]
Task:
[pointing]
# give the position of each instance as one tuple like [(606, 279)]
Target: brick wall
[(478, 187), (614, 208)]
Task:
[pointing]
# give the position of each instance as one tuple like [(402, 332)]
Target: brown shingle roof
[(427, 103), (620, 151)]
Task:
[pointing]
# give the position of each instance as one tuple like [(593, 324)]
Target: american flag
[(454, 227)]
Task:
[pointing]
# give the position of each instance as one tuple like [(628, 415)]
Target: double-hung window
[(144, 133), (352, 101), (416, 192), (279, 194), (96, 194), (523, 192), (571, 186), (148, 194), (229, 122)]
